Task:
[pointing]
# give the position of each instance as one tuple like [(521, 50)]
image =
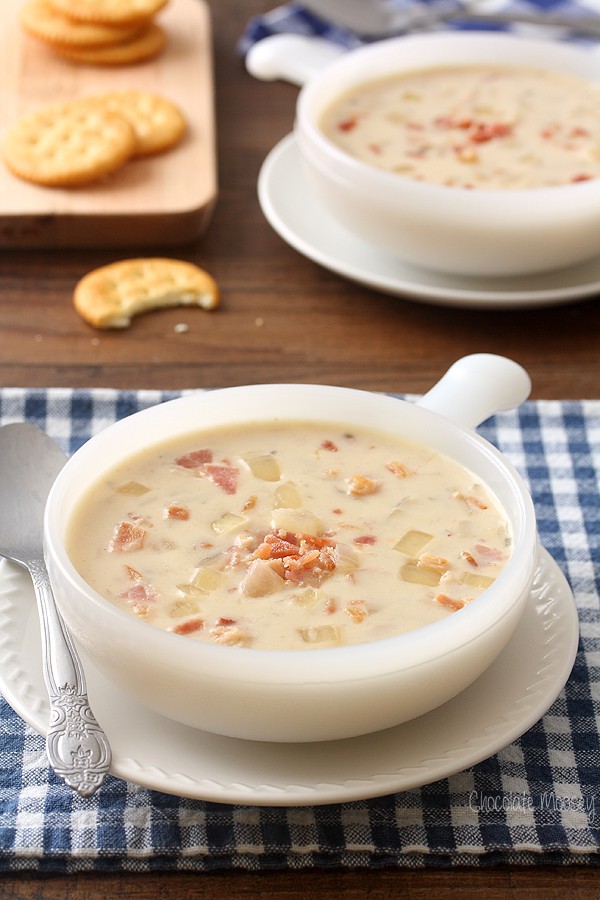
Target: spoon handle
[(77, 748)]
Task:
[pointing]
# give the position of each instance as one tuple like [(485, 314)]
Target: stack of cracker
[(73, 143), (97, 32)]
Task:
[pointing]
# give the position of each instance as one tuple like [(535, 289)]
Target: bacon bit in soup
[(231, 635), (470, 500), (330, 606), (177, 511), (489, 554), (188, 627), (140, 597), (466, 154), (142, 521), (357, 610), (329, 445), (309, 568), (304, 557), (399, 469), (250, 503), (348, 124), (225, 477), (133, 574), (275, 547), (361, 486), (485, 131), (449, 602), (195, 460), (427, 561), (469, 558), (365, 539), (127, 538), (140, 591)]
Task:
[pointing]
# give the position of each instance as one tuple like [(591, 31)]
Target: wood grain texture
[(164, 199), (282, 318), (545, 883)]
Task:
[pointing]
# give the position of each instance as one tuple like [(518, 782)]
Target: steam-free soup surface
[(493, 127), (289, 536)]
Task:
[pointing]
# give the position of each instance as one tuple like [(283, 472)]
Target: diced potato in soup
[(492, 127), (379, 536)]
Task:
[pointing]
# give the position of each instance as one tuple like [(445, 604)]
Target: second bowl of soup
[(472, 153)]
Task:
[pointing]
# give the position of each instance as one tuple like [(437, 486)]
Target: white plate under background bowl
[(296, 215), (157, 753)]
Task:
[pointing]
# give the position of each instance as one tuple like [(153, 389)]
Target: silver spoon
[(77, 748)]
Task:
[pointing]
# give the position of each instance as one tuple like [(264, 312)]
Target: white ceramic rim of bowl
[(361, 661), (321, 90)]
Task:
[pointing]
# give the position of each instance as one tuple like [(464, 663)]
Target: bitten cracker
[(157, 122), (68, 144), (143, 46), (115, 12), (109, 297), (42, 21)]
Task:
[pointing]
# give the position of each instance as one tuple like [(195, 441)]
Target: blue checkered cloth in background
[(293, 18), (45, 827)]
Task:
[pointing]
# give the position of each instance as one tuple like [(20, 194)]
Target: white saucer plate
[(157, 753), (295, 214)]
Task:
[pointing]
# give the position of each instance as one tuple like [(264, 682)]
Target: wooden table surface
[(282, 318)]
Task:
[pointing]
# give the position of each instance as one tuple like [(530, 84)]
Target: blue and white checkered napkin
[(294, 18), (46, 827)]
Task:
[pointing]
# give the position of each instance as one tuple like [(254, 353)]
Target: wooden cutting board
[(163, 200)]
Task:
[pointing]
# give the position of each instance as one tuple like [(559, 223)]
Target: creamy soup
[(289, 536), (474, 127)]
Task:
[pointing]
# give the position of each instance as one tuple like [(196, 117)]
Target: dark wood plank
[(551, 883)]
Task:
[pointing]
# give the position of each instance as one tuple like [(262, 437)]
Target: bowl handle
[(291, 57), (477, 386)]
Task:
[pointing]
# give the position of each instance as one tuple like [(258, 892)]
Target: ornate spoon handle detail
[(77, 748)]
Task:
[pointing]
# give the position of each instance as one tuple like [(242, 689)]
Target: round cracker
[(117, 12), (158, 123), (68, 144), (143, 46), (42, 21), (110, 296)]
